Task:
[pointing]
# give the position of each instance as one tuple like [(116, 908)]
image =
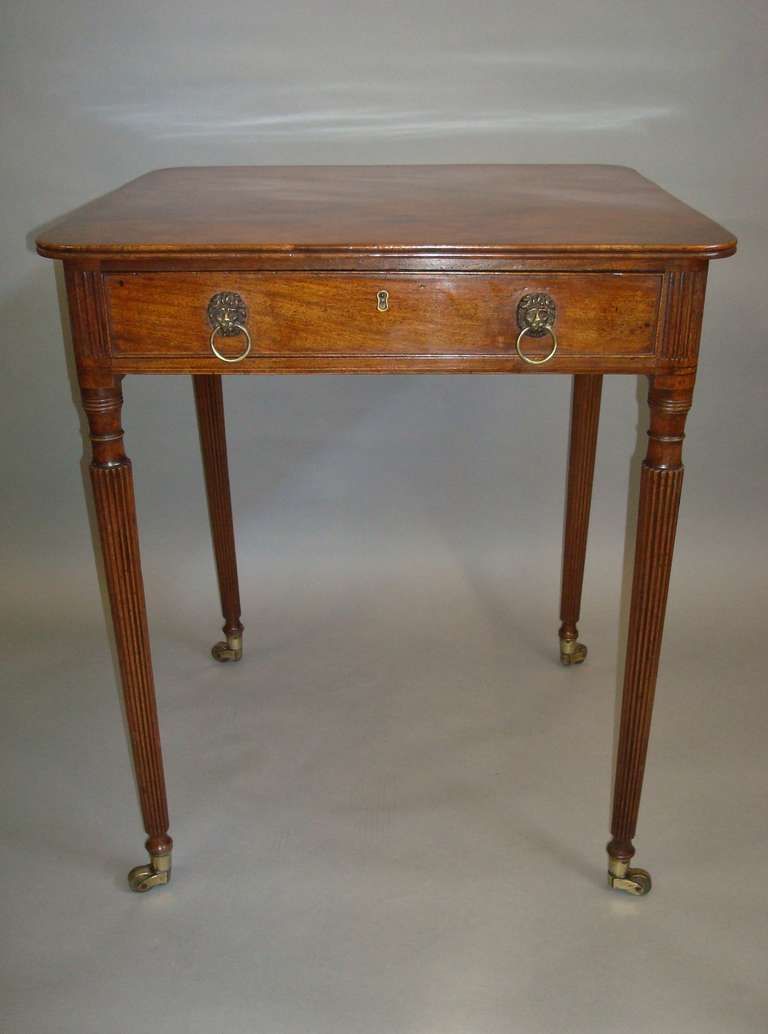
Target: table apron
[(385, 321)]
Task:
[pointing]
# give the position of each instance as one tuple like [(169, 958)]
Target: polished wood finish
[(367, 363), (585, 416), (112, 483), (613, 316), (682, 316), (209, 403), (412, 209), (455, 247), (89, 325), (660, 486)]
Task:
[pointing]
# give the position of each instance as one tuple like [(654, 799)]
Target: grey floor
[(390, 818)]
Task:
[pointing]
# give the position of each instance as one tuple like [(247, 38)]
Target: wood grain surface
[(486, 209), (165, 314)]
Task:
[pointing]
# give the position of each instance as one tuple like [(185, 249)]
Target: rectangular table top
[(373, 209)]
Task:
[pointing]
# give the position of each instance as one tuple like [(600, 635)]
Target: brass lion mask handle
[(536, 315), (227, 314)]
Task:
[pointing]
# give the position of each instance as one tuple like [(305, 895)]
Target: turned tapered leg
[(660, 487), (585, 415), (209, 403), (116, 514)]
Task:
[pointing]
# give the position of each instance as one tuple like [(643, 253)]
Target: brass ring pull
[(227, 313), (237, 358), (527, 358)]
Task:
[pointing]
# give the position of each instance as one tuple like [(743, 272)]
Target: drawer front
[(164, 315)]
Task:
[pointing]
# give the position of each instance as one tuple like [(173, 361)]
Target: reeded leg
[(209, 402), (585, 415), (660, 487), (112, 482)]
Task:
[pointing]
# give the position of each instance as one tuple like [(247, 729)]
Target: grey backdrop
[(399, 541)]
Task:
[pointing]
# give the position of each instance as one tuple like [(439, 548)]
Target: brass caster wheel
[(231, 650), (631, 881), (572, 652), (145, 877)]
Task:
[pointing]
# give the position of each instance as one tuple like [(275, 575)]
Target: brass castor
[(572, 651), (231, 650), (631, 881), (145, 877)]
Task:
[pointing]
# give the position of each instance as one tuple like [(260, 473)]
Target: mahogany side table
[(573, 269)]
